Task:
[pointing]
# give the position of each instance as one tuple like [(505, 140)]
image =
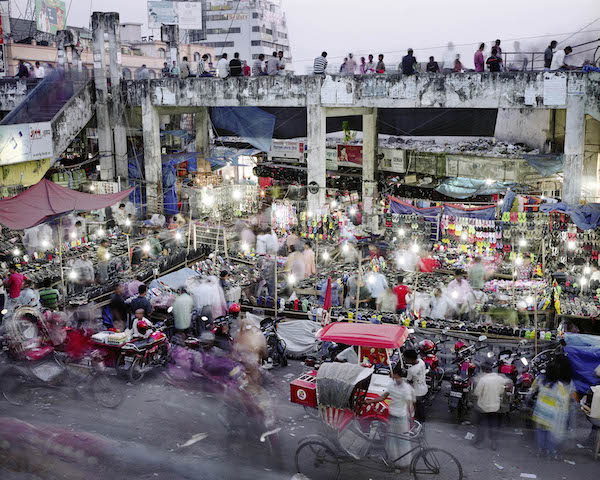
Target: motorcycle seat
[(144, 343)]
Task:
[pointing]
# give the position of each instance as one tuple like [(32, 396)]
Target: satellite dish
[(313, 187)]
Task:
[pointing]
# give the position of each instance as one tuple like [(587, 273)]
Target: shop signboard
[(50, 15), (331, 159), (25, 142), (394, 160), (350, 155), (287, 149), (188, 15)]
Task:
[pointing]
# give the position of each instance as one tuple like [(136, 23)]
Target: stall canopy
[(583, 352), (586, 217), (46, 200)]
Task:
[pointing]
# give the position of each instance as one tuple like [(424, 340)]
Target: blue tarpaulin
[(546, 165), (586, 217), (482, 213), (461, 187), (583, 352), (222, 156), (508, 201), (403, 208), (254, 125)]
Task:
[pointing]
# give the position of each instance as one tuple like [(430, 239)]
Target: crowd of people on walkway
[(26, 70)]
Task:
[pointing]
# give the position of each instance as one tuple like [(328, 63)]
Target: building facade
[(249, 27)]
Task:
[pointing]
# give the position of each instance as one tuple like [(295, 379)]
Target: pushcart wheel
[(136, 371), (317, 461), (107, 391), (434, 463), (16, 388)]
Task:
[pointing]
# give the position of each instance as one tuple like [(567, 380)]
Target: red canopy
[(364, 334), (46, 199)]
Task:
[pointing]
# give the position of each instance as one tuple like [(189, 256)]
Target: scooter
[(462, 382), (143, 355)]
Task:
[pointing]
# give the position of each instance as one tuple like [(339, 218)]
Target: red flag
[(327, 301)]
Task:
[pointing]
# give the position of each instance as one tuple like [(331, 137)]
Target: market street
[(156, 419)]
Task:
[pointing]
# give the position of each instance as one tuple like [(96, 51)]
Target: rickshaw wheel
[(434, 463), (317, 461)]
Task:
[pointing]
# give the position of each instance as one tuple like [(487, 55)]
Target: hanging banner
[(25, 142), (350, 154), (50, 15), (188, 15)]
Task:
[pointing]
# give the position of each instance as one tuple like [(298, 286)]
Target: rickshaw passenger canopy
[(364, 334), (336, 381)]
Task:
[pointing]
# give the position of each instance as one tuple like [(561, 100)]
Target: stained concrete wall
[(13, 92), (527, 126)]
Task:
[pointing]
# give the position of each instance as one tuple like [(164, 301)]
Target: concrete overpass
[(577, 93)]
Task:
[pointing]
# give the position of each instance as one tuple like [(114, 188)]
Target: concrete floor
[(141, 440)]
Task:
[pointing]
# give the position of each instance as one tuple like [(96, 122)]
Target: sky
[(392, 26)]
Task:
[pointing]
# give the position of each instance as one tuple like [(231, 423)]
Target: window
[(256, 29), (218, 44), (126, 74), (162, 53), (268, 31), (223, 31), (255, 15)]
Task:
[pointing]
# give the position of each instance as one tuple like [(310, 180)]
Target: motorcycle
[(521, 383), (276, 346), (434, 374), (140, 356), (461, 383)]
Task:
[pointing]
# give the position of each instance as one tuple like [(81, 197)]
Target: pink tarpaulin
[(46, 199)]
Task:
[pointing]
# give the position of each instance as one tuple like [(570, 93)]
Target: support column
[(316, 161), (105, 137), (574, 149), (202, 120), (152, 155), (170, 35), (369, 185)]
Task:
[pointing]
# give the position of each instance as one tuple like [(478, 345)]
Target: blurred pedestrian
[(246, 70), (258, 68), (416, 378), (103, 256), (141, 302), (204, 67), (478, 59), (118, 309), (432, 66), (370, 67), (39, 71), (309, 259), (343, 65), (273, 65), (448, 58), (350, 65), (380, 68), (409, 63), (458, 66), (494, 62), (497, 47), (185, 68), (175, 70), (144, 74), (320, 64), (235, 66), (558, 60), (489, 392), (223, 67), (13, 283), (363, 66), (401, 292), (549, 53), (166, 71), (22, 70), (49, 297), (281, 62)]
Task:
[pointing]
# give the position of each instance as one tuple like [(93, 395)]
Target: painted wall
[(26, 174)]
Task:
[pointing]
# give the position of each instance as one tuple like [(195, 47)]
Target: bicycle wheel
[(107, 391), (434, 463), (16, 388), (317, 461)]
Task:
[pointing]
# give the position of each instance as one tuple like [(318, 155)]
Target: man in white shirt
[(558, 60), (40, 72), (489, 392), (273, 65), (223, 67), (460, 291), (416, 377)]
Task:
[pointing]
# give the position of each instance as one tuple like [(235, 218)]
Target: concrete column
[(170, 35), (369, 185), (60, 46), (152, 155), (202, 120), (316, 164), (105, 135), (574, 149)]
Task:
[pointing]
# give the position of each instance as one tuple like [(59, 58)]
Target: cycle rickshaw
[(341, 391)]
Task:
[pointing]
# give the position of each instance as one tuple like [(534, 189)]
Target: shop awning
[(46, 199)]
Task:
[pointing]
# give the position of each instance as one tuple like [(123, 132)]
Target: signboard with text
[(25, 142), (287, 149), (50, 15), (350, 154), (188, 15)]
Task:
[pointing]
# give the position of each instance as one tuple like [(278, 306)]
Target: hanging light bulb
[(291, 279), (333, 204), (73, 234), (583, 282), (107, 256), (178, 236), (245, 247), (45, 243), (518, 261), (73, 275), (309, 214), (237, 195), (414, 248), (353, 211), (16, 252), (100, 232), (128, 223), (529, 300), (522, 243), (146, 247), (463, 236), (587, 270), (401, 232), (345, 248), (92, 188), (571, 245), (325, 255), (371, 279), (489, 182)]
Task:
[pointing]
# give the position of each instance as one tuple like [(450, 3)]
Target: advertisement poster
[(188, 15), (350, 154), (25, 142), (2, 65), (50, 15)]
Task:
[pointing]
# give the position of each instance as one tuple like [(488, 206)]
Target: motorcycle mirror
[(524, 361), (490, 354), (482, 338), (204, 319), (4, 312), (169, 310), (411, 330)]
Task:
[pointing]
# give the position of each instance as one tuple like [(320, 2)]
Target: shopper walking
[(478, 59), (401, 292), (549, 53), (416, 377), (551, 412), (223, 67), (489, 392), (350, 65), (49, 297), (235, 66), (13, 283), (477, 274), (103, 256), (448, 58)]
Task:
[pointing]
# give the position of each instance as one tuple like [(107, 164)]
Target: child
[(402, 397)]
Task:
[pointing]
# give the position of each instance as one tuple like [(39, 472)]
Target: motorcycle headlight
[(524, 361)]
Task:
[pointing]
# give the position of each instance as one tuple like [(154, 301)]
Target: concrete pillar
[(152, 155), (316, 163), (202, 120), (170, 35), (105, 135), (60, 45), (574, 149), (369, 185)]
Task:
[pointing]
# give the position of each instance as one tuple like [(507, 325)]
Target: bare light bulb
[(522, 242), (146, 247), (291, 279), (414, 248), (325, 255), (353, 211), (237, 195), (128, 223), (73, 275), (16, 252)]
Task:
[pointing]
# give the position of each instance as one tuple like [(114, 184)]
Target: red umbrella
[(327, 301)]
